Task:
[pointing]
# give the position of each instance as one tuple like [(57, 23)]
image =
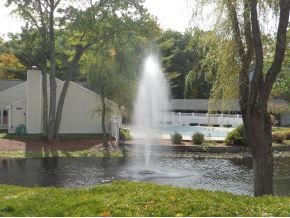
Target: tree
[(10, 67), (74, 29), (111, 66), (196, 85), (281, 88), (101, 72), (182, 61), (255, 80)]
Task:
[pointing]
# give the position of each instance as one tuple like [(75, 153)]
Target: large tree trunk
[(254, 94), (105, 143), (52, 104), (44, 102), (259, 138)]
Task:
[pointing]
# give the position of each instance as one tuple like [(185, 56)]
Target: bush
[(197, 138), (236, 137), (176, 138), (125, 134), (287, 135), (278, 137)]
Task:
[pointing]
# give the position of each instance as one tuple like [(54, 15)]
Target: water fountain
[(150, 104)]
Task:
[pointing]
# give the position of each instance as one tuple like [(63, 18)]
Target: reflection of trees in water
[(48, 172), (242, 162), (49, 163), (282, 176), (3, 164), (281, 173), (111, 165)]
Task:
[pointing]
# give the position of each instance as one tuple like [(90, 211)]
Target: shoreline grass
[(122, 198), (58, 153)]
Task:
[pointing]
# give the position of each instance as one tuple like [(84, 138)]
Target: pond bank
[(92, 147)]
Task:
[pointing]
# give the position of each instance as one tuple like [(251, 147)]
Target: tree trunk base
[(263, 174)]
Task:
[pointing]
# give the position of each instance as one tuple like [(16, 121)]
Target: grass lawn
[(4, 134), (58, 153), (135, 199), (281, 129)]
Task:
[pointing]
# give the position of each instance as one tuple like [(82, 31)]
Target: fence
[(4, 126), (223, 120)]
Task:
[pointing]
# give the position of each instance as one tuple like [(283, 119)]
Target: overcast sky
[(173, 14)]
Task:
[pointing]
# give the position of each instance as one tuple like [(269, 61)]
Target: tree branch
[(257, 83), (236, 29)]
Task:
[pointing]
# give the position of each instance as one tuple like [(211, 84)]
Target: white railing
[(3, 126), (204, 119)]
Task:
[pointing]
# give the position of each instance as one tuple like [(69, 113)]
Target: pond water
[(231, 175)]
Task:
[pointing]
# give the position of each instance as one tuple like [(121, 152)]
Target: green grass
[(58, 153), (281, 129), (4, 134), (135, 199)]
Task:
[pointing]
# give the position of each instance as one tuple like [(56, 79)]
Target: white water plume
[(151, 103)]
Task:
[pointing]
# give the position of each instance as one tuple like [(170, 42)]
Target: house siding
[(79, 114), (81, 110)]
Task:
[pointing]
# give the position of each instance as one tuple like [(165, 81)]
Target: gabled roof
[(6, 84), (13, 94)]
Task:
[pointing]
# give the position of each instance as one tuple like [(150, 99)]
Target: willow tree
[(240, 63)]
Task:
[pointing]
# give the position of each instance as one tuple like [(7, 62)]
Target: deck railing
[(204, 119), (3, 126)]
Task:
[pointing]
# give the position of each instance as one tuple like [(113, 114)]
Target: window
[(5, 117)]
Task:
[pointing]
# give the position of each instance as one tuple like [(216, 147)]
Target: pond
[(231, 175)]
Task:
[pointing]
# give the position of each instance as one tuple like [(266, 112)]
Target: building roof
[(13, 94), (6, 84)]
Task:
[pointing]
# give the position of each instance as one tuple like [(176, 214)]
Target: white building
[(21, 103)]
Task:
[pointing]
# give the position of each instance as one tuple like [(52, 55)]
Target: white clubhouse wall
[(79, 111)]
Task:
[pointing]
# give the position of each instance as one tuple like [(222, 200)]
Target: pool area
[(213, 133), (164, 132)]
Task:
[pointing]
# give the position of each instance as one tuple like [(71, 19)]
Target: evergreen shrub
[(176, 138), (197, 138), (236, 136)]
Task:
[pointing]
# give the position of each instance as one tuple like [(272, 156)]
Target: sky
[(172, 14)]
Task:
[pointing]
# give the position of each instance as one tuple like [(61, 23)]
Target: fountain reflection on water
[(151, 102)]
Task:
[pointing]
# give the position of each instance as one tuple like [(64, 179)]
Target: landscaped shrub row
[(279, 137), (176, 138), (125, 134), (197, 138), (236, 137), (287, 135)]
